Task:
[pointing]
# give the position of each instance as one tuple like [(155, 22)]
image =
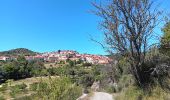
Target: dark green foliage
[(77, 74), (87, 64), (97, 73), (79, 61), (21, 68), (87, 80), (71, 63), (56, 71), (154, 71), (159, 70), (165, 40), (37, 68)]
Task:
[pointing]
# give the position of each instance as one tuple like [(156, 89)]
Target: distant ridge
[(18, 51)]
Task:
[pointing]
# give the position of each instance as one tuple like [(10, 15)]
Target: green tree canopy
[(165, 41)]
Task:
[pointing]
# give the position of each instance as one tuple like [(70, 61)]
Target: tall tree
[(165, 41), (128, 27)]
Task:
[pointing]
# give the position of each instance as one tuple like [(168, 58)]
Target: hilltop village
[(63, 55)]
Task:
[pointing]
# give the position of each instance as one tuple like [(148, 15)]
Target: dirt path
[(97, 96), (101, 96)]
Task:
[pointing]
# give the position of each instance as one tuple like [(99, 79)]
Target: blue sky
[(49, 25)]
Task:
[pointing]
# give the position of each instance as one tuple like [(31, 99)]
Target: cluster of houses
[(63, 55)]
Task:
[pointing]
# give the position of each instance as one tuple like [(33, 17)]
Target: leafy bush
[(58, 89), (87, 64), (57, 71), (79, 61), (71, 63), (87, 80), (156, 69), (110, 89)]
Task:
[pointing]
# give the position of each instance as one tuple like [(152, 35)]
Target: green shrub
[(57, 71), (87, 64), (124, 82), (59, 89), (87, 80), (110, 89)]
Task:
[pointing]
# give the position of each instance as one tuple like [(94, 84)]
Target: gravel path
[(101, 96), (82, 97)]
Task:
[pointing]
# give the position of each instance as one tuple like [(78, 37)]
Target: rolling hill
[(18, 51)]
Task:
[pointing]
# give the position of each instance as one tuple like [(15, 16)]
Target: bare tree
[(128, 29)]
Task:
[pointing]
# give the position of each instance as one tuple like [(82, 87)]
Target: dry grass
[(32, 80), (133, 93), (28, 81)]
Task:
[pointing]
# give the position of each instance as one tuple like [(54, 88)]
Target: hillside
[(18, 51)]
